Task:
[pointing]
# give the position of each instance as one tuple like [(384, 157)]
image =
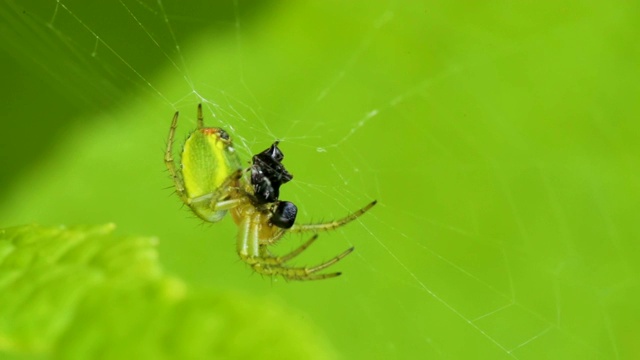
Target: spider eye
[(284, 215), (223, 134)]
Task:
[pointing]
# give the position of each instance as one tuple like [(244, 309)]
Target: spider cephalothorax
[(209, 179)]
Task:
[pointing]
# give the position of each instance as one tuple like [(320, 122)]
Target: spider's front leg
[(170, 162)]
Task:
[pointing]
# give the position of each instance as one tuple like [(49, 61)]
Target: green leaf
[(85, 293)]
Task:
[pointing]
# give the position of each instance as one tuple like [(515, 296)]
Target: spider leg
[(252, 252), (248, 240), (326, 264), (332, 224), (270, 265), (200, 117), (296, 252), (170, 162), (213, 199)]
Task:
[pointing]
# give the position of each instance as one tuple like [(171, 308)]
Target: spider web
[(477, 247)]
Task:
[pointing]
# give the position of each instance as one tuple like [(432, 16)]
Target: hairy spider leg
[(332, 224), (223, 191), (170, 162), (200, 117), (270, 265), (262, 261), (296, 252)]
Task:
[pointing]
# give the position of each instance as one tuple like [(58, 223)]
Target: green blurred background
[(499, 139)]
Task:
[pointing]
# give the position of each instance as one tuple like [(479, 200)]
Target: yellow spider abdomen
[(208, 160)]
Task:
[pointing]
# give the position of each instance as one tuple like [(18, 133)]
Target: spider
[(210, 180)]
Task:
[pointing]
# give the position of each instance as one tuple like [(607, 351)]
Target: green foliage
[(85, 293)]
